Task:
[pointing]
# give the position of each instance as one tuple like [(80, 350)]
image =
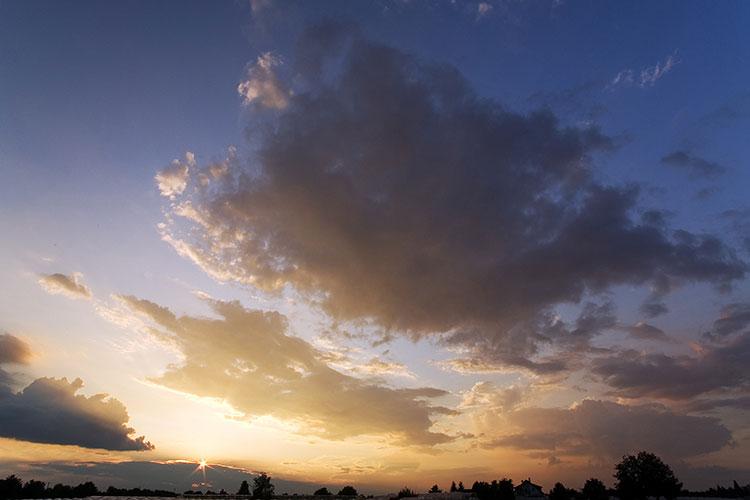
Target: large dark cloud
[(50, 411), (715, 368), (607, 430), (386, 189)]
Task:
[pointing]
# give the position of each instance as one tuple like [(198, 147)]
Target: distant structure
[(527, 489)]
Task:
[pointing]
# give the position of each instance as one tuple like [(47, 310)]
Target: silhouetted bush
[(244, 488), (348, 491), (322, 491), (406, 493), (435, 489), (594, 489), (560, 492)]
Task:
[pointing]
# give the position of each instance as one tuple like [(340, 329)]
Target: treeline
[(638, 477), (736, 491), (13, 487)]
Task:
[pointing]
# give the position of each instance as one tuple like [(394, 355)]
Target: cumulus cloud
[(70, 286), (607, 430), (714, 368), (488, 395), (392, 192), (248, 359), (262, 84), (696, 166), (50, 411), (173, 180)]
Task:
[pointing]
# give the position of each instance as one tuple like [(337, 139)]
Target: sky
[(380, 243)]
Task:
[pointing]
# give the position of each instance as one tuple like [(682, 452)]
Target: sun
[(202, 464)]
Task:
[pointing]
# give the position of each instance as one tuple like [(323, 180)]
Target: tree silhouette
[(244, 489), (594, 489), (348, 491), (262, 487), (322, 491), (11, 487), (453, 487), (435, 489), (559, 492), (645, 475), (461, 486)]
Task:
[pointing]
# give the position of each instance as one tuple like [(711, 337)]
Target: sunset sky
[(380, 243)]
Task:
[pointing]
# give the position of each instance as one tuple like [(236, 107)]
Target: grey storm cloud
[(386, 189), (696, 166), (716, 367), (248, 359), (50, 411), (13, 350), (606, 430)]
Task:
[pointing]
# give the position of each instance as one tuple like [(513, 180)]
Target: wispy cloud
[(647, 76), (696, 166)]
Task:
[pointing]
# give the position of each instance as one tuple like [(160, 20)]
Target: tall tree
[(262, 487), (645, 475)]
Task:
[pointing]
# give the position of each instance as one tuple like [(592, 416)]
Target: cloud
[(378, 366), (733, 319), (645, 331), (654, 307), (488, 396), (393, 193), (607, 430), (262, 84), (50, 411), (70, 286), (648, 76), (696, 166), (173, 180), (13, 351), (714, 368), (248, 359), (483, 8)]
